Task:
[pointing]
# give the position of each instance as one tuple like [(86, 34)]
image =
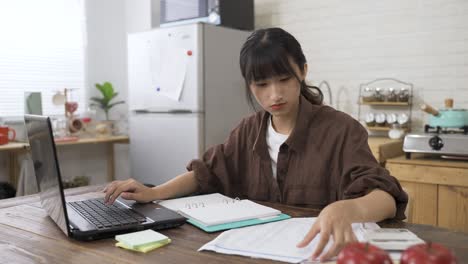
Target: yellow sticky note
[(144, 248), (141, 238)]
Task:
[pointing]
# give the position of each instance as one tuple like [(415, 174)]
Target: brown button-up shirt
[(326, 158)]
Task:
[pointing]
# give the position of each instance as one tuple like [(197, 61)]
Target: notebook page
[(196, 201), (226, 213)]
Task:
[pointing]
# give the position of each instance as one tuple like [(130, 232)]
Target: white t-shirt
[(274, 141)]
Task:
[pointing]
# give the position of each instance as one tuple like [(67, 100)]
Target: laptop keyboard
[(105, 216)]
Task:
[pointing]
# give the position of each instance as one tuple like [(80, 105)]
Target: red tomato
[(363, 253), (430, 253)]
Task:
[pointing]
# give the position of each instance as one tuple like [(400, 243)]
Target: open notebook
[(214, 212)]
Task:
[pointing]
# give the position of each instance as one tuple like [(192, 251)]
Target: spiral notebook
[(215, 212)]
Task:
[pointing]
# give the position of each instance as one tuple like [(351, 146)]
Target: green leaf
[(108, 93), (114, 104), (108, 90), (114, 95), (98, 100), (101, 89)]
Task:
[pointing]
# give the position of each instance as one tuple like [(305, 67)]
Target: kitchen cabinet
[(438, 190)]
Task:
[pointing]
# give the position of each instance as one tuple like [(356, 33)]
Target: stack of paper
[(142, 241), (215, 212), (221, 213), (276, 241)]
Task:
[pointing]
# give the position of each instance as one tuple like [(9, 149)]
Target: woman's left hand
[(334, 220)]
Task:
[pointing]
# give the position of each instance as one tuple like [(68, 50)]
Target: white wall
[(352, 42), (108, 22)]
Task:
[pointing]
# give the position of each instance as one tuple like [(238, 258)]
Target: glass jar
[(391, 95), (368, 94), (370, 119), (379, 94), (391, 118), (403, 120), (59, 127), (403, 95), (380, 119)]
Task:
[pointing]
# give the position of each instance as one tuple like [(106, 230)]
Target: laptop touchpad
[(154, 211)]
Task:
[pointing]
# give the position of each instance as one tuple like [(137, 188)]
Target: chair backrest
[(409, 207)]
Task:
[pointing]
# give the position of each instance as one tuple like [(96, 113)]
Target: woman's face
[(279, 95)]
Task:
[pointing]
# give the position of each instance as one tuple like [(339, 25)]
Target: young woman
[(295, 151)]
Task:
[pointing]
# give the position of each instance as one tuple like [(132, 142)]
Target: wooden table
[(28, 235), (17, 148)]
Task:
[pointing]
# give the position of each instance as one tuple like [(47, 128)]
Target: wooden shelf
[(386, 103), (94, 140), (385, 128), (14, 146), (378, 128)]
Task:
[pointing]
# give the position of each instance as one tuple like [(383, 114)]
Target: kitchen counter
[(431, 160), (438, 189)]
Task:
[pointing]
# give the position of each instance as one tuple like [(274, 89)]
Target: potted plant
[(105, 128), (108, 94)]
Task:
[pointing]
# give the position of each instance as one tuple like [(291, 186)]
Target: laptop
[(89, 219)]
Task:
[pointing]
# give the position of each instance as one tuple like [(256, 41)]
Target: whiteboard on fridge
[(163, 69)]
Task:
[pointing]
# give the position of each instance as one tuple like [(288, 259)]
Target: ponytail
[(313, 94)]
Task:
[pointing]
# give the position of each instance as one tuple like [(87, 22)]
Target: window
[(42, 49)]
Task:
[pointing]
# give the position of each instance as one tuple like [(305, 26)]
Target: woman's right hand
[(129, 190)]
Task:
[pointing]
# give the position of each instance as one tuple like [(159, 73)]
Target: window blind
[(42, 49)]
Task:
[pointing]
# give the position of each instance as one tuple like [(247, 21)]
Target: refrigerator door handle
[(171, 111), (180, 111)]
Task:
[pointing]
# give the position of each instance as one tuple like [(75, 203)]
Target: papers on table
[(275, 241), (233, 212), (196, 201)]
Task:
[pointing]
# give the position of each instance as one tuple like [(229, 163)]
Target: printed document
[(275, 241)]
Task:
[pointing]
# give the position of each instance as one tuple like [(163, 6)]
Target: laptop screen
[(47, 169)]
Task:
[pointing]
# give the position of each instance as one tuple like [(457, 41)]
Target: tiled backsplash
[(347, 43)]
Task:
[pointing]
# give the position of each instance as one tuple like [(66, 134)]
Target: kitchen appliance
[(444, 144), (237, 14), (186, 93), (445, 135), (448, 117), (447, 141)]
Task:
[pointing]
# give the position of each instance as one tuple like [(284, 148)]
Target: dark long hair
[(267, 53)]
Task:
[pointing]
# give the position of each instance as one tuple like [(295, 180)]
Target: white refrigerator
[(186, 93)]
